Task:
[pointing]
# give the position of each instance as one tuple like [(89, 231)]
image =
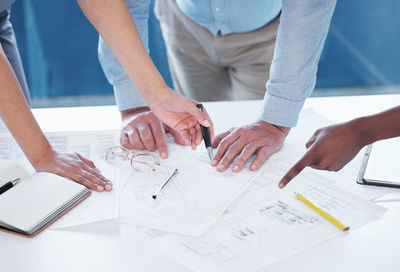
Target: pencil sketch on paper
[(284, 213), (173, 200), (328, 202)]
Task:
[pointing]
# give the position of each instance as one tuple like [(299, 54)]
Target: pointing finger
[(295, 170)]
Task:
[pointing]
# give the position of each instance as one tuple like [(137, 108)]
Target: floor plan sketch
[(191, 202), (266, 225)]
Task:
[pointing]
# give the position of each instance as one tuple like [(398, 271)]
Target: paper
[(192, 201), (92, 145), (266, 225), (294, 148)]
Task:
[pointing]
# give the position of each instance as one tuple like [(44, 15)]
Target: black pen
[(8, 185), (206, 135), (154, 196)]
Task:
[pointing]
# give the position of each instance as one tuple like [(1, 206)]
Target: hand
[(330, 148), (181, 114), (74, 167), (144, 131), (260, 138)]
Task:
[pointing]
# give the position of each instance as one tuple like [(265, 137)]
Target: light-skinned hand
[(74, 167), (260, 138), (142, 130), (181, 114)]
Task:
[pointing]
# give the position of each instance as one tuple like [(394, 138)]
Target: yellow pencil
[(321, 212)]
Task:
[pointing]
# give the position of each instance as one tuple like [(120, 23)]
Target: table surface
[(106, 245)]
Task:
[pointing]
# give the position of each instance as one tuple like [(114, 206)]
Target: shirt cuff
[(281, 111), (127, 96)]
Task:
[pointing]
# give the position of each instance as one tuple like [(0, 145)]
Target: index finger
[(159, 137), (295, 170)]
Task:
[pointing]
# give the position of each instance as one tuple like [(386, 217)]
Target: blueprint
[(191, 202), (266, 225)]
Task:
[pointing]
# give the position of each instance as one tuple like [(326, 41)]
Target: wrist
[(284, 130), (363, 128), (133, 111), (155, 93), (41, 157)]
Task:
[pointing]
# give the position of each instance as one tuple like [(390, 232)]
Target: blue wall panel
[(59, 47), (362, 45)]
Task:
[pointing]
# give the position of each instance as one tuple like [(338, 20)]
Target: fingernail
[(108, 188), (220, 167), (235, 168), (281, 185), (100, 189), (110, 182), (164, 155), (214, 162), (253, 167), (206, 123)]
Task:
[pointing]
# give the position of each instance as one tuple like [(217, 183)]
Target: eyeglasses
[(141, 162)]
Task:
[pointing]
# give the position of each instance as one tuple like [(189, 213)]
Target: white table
[(107, 246)]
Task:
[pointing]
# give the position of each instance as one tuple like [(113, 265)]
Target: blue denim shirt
[(301, 35)]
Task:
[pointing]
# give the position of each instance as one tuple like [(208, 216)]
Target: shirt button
[(217, 9)]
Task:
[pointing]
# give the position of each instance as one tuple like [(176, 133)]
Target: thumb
[(200, 116)]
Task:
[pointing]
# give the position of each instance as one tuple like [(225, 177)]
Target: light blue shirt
[(301, 35), (231, 16)]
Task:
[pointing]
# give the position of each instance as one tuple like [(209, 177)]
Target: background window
[(59, 51)]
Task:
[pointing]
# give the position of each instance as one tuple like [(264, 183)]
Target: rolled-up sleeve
[(301, 36), (126, 93)]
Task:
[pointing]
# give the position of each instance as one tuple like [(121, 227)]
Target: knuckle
[(125, 143), (158, 134), (252, 146), (333, 168), (227, 158), (80, 179), (224, 144), (239, 131), (322, 165), (73, 168), (91, 186), (147, 138), (240, 161)]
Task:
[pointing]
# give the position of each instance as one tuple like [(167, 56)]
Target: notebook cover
[(360, 177), (50, 223)]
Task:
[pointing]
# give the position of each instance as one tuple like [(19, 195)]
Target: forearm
[(127, 95), (383, 125), (114, 23), (301, 35), (17, 116)]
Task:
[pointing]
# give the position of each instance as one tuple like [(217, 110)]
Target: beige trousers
[(209, 68)]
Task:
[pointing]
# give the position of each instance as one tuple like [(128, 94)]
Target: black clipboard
[(364, 164)]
